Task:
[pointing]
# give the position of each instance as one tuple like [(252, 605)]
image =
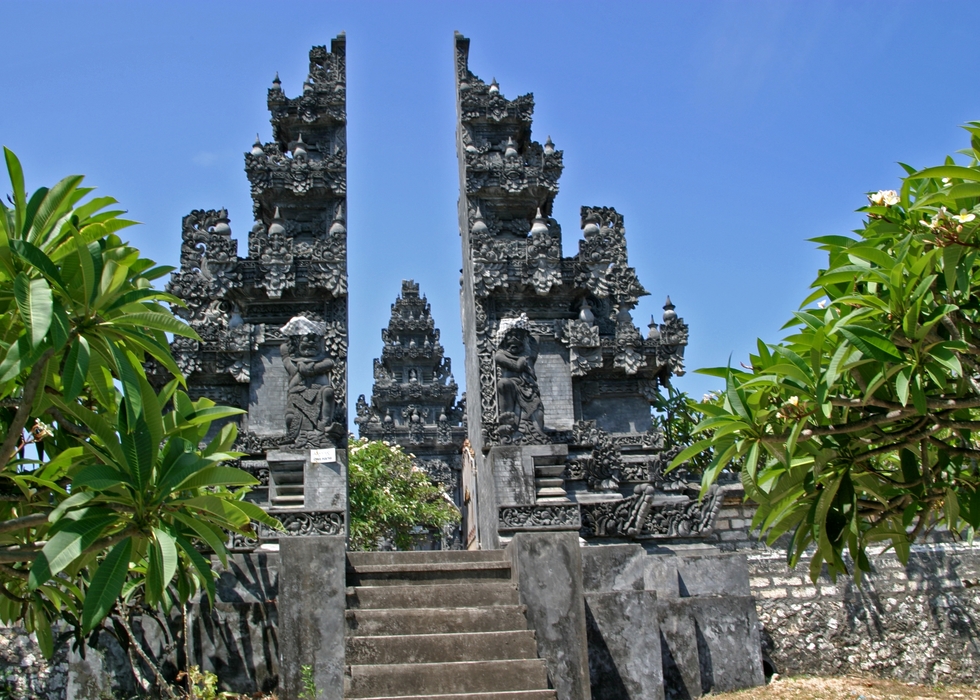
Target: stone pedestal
[(548, 572), (312, 587)]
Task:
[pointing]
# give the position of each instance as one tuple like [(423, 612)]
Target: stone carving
[(309, 394), (553, 516), (518, 397), (303, 523), (641, 517)]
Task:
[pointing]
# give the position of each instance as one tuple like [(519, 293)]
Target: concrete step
[(441, 648), (437, 572), (355, 559), (505, 695), (427, 680), (432, 596), (500, 618)]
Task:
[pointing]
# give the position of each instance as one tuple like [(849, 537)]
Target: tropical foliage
[(391, 499), (108, 492), (861, 426)]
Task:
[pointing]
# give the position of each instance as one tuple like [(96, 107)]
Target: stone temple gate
[(589, 574)]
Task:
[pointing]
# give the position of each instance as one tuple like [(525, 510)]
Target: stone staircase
[(439, 625)]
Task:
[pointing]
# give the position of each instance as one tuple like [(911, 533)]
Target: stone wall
[(24, 672), (919, 622)]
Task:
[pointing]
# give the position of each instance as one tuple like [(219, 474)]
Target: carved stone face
[(514, 345), (309, 345)]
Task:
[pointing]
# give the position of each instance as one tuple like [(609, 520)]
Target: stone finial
[(510, 151), (276, 83), (338, 227), (299, 150), (591, 227), (257, 147), (479, 225), (669, 313), (549, 147), (540, 226), (276, 226), (585, 312), (222, 228), (494, 87), (654, 333)]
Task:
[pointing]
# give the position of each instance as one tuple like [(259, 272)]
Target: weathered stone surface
[(548, 573), (624, 645), (912, 623), (237, 638), (311, 612), (513, 475), (727, 632)]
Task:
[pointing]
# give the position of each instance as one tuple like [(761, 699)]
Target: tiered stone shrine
[(413, 402)]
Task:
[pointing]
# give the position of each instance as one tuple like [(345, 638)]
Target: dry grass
[(805, 688)]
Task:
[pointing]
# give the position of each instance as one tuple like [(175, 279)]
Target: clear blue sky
[(727, 133)]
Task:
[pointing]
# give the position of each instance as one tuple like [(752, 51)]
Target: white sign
[(323, 456)]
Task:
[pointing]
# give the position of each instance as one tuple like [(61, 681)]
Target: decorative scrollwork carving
[(552, 516)]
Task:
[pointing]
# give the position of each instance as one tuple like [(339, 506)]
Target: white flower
[(793, 401), (822, 304), (884, 197), (964, 216), (946, 180)]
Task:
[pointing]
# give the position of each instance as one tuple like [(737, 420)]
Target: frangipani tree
[(391, 498), (122, 489), (861, 426)]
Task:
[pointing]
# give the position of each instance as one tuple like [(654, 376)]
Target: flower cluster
[(887, 198)]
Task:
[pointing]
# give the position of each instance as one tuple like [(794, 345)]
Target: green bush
[(391, 498)]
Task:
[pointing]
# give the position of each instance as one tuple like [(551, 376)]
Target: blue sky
[(727, 133)]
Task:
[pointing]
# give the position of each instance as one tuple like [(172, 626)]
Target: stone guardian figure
[(310, 401), (521, 412)]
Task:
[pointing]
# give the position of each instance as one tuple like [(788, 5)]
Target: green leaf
[(34, 301), (205, 572), (129, 370), (42, 627), (100, 477), (872, 254), (902, 385), (57, 202), (168, 555), (871, 343), (36, 257), (947, 358), (217, 476), (67, 545), (918, 394), (957, 172), (16, 173), (14, 361), (106, 585), (140, 451), (73, 501), (158, 321), (75, 370), (686, 454), (205, 532)]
